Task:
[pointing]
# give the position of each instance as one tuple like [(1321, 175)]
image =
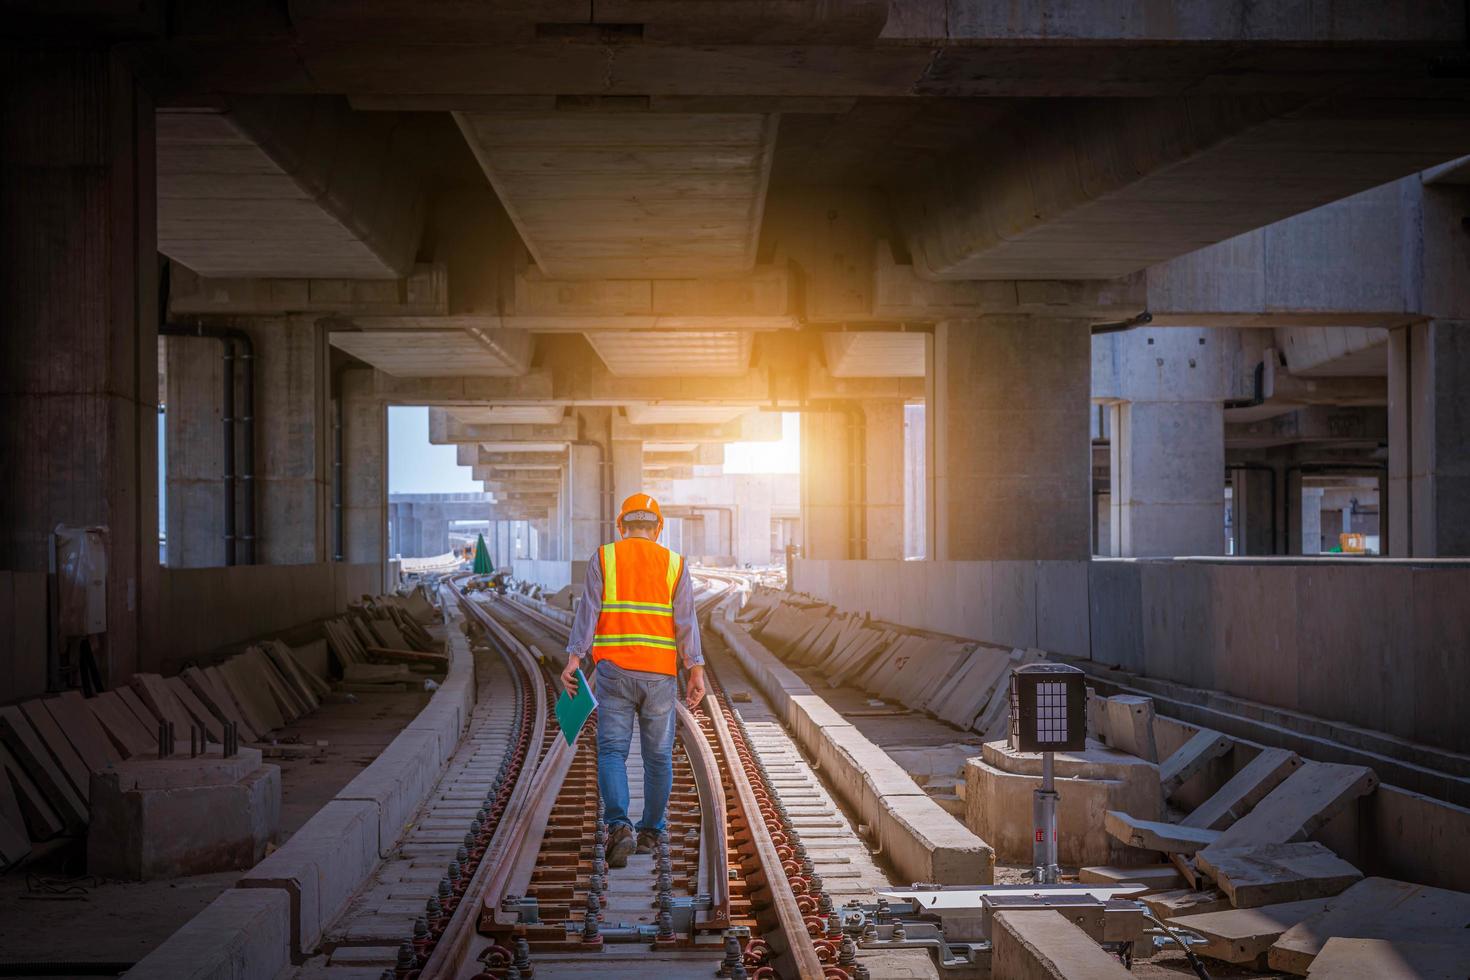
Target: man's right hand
[(569, 676)]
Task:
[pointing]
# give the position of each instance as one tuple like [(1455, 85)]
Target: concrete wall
[(203, 609), (1013, 603), (1374, 643)]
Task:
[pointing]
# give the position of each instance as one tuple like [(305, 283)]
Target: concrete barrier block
[(1044, 945), (321, 867), (241, 935), (397, 783), (443, 721), (807, 714), (926, 843)]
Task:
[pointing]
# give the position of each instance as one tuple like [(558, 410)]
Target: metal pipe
[(227, 416), (1118, 326)]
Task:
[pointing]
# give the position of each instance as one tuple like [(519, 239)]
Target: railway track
[(730, 889)]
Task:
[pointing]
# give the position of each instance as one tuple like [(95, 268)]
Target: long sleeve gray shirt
[(686, 626)]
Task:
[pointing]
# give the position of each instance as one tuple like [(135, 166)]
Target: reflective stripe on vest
[(635, 629)]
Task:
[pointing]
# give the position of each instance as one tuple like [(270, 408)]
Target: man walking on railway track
[(637, 622)]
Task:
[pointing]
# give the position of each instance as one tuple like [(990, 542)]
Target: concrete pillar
[(1167, 443), (1429, 440), (435, 540), (1102, 531), (293, 469), (78, 351), (365, 475), (550, 544), (915, 484), (883, 466), (1252, 500), (1308, 520), (194, 451), (1010, 458), (832, 530), (291, 451), (627, 470)]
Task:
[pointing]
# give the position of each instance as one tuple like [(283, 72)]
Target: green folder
[(572, 712)]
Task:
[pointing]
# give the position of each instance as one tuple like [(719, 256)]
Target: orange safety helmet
[(641, 507)]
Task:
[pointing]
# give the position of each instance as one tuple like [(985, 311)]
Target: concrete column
[(293, 441), (915, 484), (1010, 458), (826, 485), (883, 466), (1252, 500), (1102, 532), (627, 470), (1429, 440), (1167, 443), (1309, 520), (291, 451), (365, 475), (78, 350), (435, 531), (195, 464)]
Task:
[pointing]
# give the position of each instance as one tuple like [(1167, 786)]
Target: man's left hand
[(694, 688)]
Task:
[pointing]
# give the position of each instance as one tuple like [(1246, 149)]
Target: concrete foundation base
[(999, 788), (163, 818)]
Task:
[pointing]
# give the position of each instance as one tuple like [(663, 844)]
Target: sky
[(417, 466)]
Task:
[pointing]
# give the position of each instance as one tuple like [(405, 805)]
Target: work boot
[(647, 841), (620, 844)]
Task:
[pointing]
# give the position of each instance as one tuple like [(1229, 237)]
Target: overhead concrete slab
[(667, 413), (1091, 191), (440, 353), (875, 354), (656, 353), (296, 187), (629, 195)]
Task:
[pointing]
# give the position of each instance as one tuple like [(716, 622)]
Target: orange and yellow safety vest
[(635, 629)]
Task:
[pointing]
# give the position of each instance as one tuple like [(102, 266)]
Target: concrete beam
[(574, 375), (1376, 259), (424, 292), (1315, 424), (290, 186), (445, 429), (762, 300), (901, 292), (495, 59), (1096, 191)]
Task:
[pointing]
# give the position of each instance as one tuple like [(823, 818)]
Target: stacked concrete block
[(999, 786), (162, 818)]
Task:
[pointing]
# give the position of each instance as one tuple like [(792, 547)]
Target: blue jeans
[(620, 695)]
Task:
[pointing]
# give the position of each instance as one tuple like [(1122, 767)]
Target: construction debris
[(1271, 874), (1245, 935), (1378, 908)]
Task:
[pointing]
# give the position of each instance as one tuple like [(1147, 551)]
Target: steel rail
[(453, 944), (798, 956), (714, 833)]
